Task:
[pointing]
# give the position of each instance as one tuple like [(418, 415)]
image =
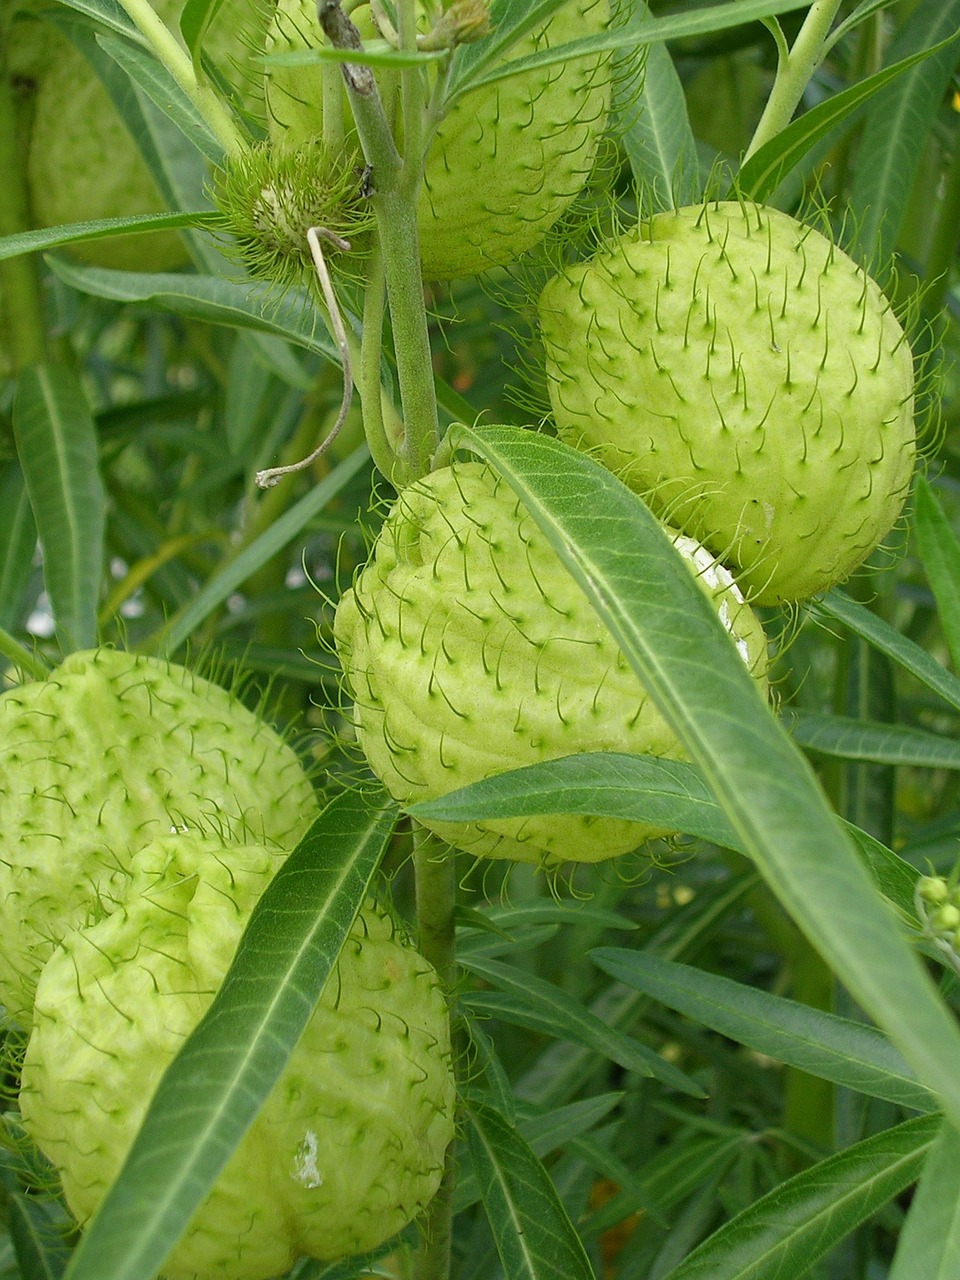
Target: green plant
[(732, 1051)]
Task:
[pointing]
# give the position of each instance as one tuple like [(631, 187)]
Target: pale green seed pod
[(747, 377), (469, 650), (505, 162), (109, 752), (350, 1144)]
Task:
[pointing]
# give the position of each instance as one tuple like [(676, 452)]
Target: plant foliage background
[(732, 1055)]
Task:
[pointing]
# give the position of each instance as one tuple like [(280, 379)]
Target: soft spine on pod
[(109, 752), (740, 371), (469, 650), (349, 1145), (506, 160)]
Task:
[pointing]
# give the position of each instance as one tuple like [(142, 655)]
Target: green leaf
[(670, 794), (854, 739), (787, 1231), (195, 19), (469, 70), (532, 1002), (40, 1233), (889, 152), (940, 554), (57, 447), (889, 641), (108, 12), (18, 539), (212, 1091), (164, 92), (544, 1132), (763, 173), (263, 548), (238, 303), (658, 140), (671, 635), (845, 1052), (534, 1236), (102, 229), (929, 1244)]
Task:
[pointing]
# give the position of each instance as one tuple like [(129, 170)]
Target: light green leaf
[(164, 92), (940, 553), (929, 1244), (763, 173), (670, 634), (212, 1091), (889, 152), (853, 739), (238, 303), (788, 1230), (102, 229), (57, 447), (658, 140), (534, 1236), (848, 1053), (469, 72), (889, 641), (530, 1001)]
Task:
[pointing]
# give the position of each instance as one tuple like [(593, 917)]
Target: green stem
[(435, 866), (177, 61), (22, 657), (396, 182), (795, 71), (383, 449), (23, 329)]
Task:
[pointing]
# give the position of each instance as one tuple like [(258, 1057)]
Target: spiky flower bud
[(271, 198), (469, 650), (739, 370), (507, 159), (107, 753), (350, 1143)]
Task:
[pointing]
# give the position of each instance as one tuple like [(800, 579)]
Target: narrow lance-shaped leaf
[(762, 174), (657, 137), (789, 1229), (848, 1053), (18, 539), (213, 1089), (533, 1233), (940, 552), (539, 1004), (929, 1244), (909, 655), (57, 446), (669, 632)]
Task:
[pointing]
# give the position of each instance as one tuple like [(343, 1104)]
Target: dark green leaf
[(212, 1091), (787, 1231), (848, 1053), (940, 552), (534, 1236), (57, 446)]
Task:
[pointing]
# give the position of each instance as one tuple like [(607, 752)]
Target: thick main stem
[(795, 72), (395, 181)]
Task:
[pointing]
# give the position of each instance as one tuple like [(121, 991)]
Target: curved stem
[(177, 61), (795, 71)]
